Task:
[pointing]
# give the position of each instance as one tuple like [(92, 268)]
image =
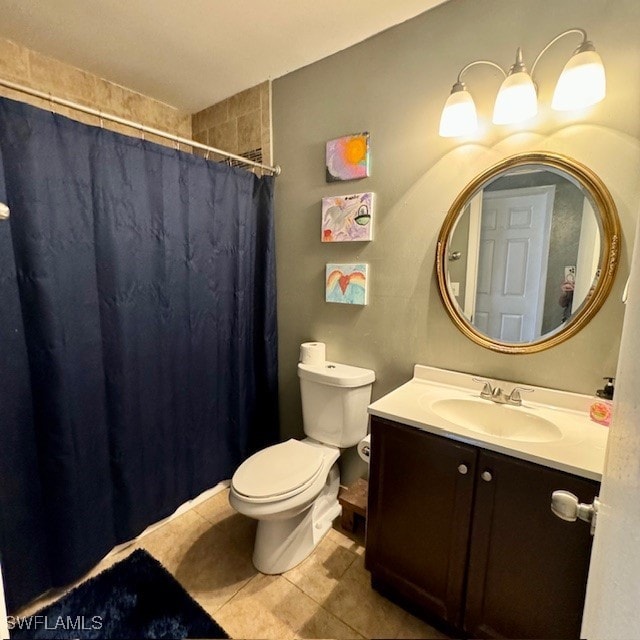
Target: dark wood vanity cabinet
[(467, 536), (418, 516)]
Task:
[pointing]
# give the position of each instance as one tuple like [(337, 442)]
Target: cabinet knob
[(462, 468), (486, 476)]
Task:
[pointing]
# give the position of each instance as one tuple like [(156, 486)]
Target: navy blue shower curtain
[(138, 362)]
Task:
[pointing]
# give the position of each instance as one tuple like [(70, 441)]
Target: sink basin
[(498, 420)]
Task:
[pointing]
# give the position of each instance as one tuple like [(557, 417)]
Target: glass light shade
[(459, 117), (581, 83), (517, 100)]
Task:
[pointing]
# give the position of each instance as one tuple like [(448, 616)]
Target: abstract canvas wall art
[(347, 158), (347, 283), (347, 218)]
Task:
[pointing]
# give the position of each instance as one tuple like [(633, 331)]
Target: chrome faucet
[(497, 395), (487, 390), (515, 398)]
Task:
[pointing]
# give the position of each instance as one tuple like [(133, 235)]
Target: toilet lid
[(280, 471)]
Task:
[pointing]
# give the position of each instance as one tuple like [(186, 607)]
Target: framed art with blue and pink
[(347, 283)]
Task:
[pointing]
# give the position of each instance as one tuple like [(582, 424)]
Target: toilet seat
[(278, 472)]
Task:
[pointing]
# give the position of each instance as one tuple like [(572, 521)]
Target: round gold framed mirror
[(528, 252)]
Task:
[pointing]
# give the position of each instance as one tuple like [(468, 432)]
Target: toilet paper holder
[(364, 448)]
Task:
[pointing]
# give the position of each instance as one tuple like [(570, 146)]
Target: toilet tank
[(334, 402)]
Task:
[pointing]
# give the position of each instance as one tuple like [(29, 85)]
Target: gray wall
[(394, 85)]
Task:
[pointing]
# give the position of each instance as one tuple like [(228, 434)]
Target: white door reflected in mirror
[(512, 262)]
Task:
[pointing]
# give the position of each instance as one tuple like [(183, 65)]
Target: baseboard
[(183, 508)]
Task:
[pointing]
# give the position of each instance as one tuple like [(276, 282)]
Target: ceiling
[(193, 53)]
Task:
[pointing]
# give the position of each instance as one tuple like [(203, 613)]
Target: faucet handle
[(515, 397), (487, 390)]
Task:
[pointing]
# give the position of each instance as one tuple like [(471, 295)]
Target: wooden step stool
[(354, 504)]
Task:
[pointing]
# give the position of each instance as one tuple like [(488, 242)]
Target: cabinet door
[(418, 517), (527, 568)]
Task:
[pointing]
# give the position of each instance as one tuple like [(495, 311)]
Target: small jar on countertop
[(601, 409)]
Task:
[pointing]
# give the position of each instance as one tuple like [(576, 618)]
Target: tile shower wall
[(26, 67), (240, 124)]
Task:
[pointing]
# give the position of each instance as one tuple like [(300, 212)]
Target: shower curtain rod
[(135, 125)]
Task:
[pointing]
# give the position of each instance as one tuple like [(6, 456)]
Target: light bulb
[(459, 117), (517, 100), (582, 82)]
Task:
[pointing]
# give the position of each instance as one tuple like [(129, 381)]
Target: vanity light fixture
[(581, 84)]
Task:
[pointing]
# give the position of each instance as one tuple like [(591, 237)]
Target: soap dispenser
[(600, 410)]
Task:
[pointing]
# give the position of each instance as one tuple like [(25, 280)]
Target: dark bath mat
[(135, 598)]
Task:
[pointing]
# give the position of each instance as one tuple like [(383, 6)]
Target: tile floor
[(208, 549)]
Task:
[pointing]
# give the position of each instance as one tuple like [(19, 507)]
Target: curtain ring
[(208, 152), (101, 119)]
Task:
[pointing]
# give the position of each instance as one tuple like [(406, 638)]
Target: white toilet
[(291, 488)]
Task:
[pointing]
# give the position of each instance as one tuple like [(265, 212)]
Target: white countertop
[(579, 451)]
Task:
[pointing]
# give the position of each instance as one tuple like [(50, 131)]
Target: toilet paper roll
[(312, 353), (364, 448)]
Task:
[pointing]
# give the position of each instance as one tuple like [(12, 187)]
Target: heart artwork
[(346, 283)]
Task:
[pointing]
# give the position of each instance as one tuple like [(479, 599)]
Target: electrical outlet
[(455, 288), (570, 273)]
